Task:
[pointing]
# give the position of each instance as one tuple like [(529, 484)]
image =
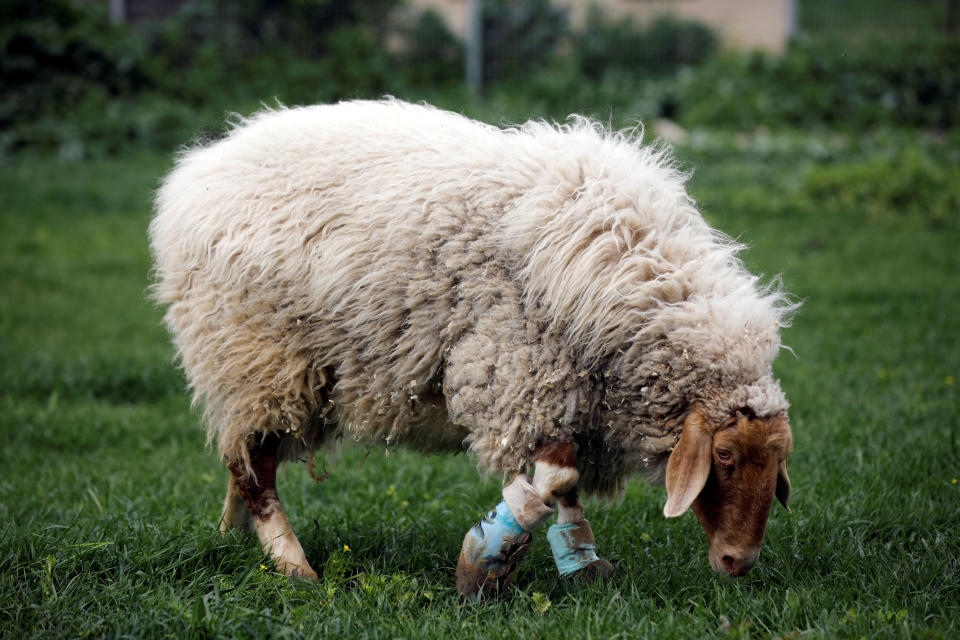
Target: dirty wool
[(400, 275)]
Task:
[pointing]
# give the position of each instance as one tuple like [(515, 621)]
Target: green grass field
[(109, 499)]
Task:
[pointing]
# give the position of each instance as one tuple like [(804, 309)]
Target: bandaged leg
[(572, 542), (571, 539), (494, 547)]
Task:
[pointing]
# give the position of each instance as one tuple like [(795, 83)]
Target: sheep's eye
[(724, 456)]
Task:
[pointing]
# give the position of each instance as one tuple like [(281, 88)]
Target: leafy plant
[(909, 184), (519, 36), (914, 83), (659, 48)]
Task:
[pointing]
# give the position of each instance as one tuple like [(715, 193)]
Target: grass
[(109, 499)]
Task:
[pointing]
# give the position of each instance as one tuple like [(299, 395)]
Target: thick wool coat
[(395, 273)]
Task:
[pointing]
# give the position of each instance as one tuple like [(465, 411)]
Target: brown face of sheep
[(729, 474)]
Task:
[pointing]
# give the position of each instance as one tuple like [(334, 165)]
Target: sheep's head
[(729, 473)]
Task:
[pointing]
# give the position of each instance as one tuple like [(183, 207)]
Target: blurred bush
[(70, 81), (519, 37), (58, 59), (908, 184), (429, 53), (908, 83), (662, 47)]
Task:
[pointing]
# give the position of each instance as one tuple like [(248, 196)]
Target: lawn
[(109, 498)]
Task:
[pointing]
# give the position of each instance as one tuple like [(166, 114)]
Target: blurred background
[(823, 134), (86, 78)]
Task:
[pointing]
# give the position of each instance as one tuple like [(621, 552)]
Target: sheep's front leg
[(572, 542), (495, 546), (259, 493), (571, 539)]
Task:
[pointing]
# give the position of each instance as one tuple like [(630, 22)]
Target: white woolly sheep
[(539, 295)]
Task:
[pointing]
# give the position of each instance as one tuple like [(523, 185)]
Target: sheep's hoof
[(599, 569), (300, 572), (491, 551), (491, 576), (304, 574)]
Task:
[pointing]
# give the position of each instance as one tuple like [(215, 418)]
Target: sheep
[(545, 296)]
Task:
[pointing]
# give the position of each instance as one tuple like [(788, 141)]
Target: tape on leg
[(573, 546), (491, 551), (525, 503), (488, 535)]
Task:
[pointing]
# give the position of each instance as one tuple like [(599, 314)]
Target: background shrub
[(70, 81), (661, 48), (520, 36), (914, 83), (910, 184), (59, 59), (430, 54)]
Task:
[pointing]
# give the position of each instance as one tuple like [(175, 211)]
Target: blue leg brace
[(495, 546), (491, 551), (573, 546), (487, 536)]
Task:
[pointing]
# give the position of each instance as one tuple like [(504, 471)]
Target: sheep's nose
[(733, 562), (736, 565)]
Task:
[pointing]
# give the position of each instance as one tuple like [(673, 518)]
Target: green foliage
[(913, 83), (431, 54), (907, 184), (59, 58), (519, 36), (661, 47), (861, 21), (297, 50), (72, 82)]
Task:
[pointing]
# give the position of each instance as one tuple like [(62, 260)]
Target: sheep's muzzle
[(730, 474)]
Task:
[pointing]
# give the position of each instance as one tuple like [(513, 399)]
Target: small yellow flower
[(263, 567), (346, 548), (954, 481), (948, 381)]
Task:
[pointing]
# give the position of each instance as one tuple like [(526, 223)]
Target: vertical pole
[(117, 12), (474, 70), (792, 24)]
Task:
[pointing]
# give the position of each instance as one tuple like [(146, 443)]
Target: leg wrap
[(573, 546), (526, 503), (494, 547)]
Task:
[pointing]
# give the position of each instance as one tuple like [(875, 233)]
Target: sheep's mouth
[(733, 562)]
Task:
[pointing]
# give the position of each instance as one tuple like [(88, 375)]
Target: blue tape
[(487, 536), (569, 554)]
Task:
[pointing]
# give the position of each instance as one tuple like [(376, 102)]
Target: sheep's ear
[(689, 465), (783, 486)]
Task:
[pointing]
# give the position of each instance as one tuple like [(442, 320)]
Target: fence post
[(118, 12), (474, 70), (792, 22)]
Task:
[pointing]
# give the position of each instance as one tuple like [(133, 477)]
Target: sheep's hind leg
[(259, 492), (235, 512)]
